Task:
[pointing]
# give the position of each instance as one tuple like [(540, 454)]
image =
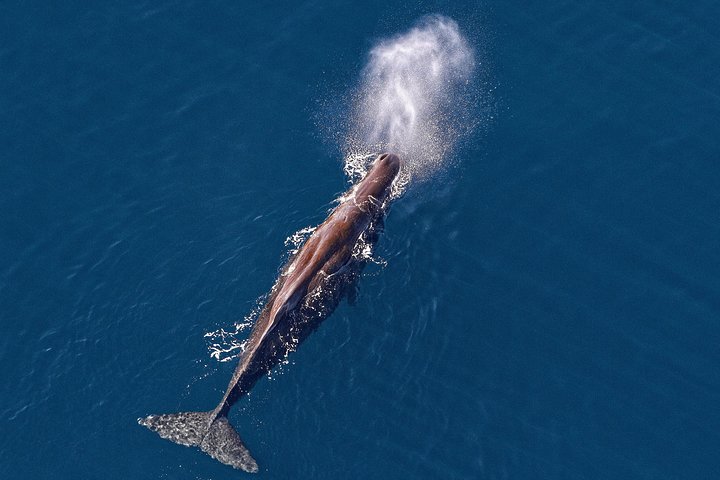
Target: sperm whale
[(307, 291)]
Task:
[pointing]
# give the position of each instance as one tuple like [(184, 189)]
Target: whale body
[(307, 291)]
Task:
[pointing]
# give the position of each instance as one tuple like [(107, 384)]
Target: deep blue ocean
[(549, 307)]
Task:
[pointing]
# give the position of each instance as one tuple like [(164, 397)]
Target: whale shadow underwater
[(310, 286)]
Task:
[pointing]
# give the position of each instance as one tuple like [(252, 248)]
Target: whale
[(311, 284)]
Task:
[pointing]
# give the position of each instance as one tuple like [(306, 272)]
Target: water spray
[(414, 98)]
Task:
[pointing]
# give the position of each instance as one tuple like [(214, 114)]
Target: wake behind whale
[(401, 106)]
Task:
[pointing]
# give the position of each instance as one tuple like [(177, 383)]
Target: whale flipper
[(216, 437)]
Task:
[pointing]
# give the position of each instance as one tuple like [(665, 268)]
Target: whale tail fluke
[(215, 437)]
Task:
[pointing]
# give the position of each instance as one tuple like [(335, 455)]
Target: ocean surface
[(549, 306)]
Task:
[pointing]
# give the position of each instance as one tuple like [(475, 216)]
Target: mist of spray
[(414, 98)]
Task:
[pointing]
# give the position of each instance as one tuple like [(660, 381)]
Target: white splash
[(414, 99), (225, 345)]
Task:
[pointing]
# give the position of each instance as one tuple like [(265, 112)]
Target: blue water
[(550, 306)]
